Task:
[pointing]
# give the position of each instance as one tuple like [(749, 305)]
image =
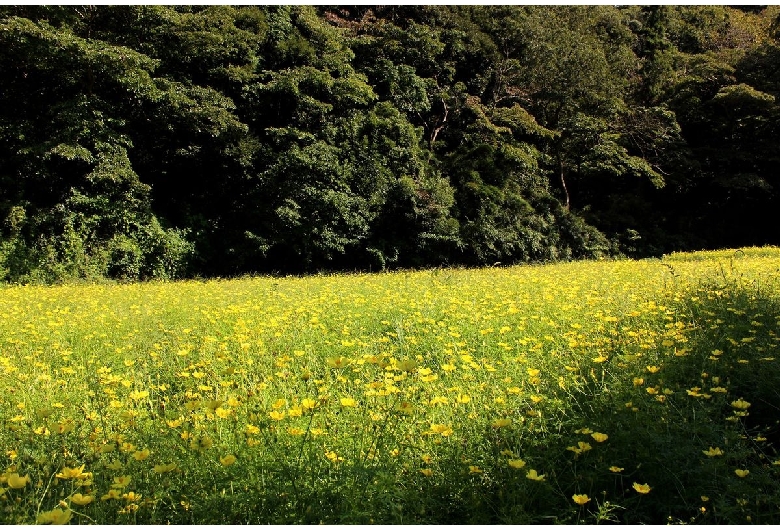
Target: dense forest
[(142, 142)]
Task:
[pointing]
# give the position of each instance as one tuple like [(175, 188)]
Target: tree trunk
[(563, 183)]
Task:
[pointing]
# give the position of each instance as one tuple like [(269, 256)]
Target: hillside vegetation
[(593, 391), (143, 142)]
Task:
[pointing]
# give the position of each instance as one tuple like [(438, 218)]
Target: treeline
[(143, 142)]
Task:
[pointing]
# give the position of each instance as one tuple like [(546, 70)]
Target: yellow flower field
[(579, 392)]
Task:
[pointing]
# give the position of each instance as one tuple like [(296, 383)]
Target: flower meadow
[(603, 391)]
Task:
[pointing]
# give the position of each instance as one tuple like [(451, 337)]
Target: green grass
[(407, 397)]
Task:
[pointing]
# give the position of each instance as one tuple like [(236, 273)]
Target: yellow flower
[(740, 404), (642, 488), (516, 463), (131, 496), (142, 454), (503, 422), (440, 428), (474, 469), (201, 443), (69, 473), (405, 407), (112, 494), (308, 403), (348, 402), (16, 482), (426, 458), (295, 431), (581, 447), (533, 475), (462, 398), (333, 457), (227, 460), (653, 369), (616, 469), (741, 473), (276, 415), (427, 472), (55, 516), (717, 451), (533, 372), (580, 499), (599, 436), (251, 429), (164, 468), (82, 500), (121, 482), (222, 413), (638, 381)]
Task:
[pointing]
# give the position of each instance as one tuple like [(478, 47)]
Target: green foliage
[(155, 141)]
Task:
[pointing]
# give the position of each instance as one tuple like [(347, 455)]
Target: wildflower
[(276, 415), (740, 404), (741, 473), (295, 431), (16, 482), (223, 413), (440, 428), (533, 475), (427, 472), (333, 457), (141, 455), (516, 463), (497, 424), (112, 495), (175, 423), (308, 404), (462, 399), (69, 473), (201, 443), (581, 447), (227, 460), (55, 516), (580, 499), (121, 482), (599, 436), (164, 468), (131, 496), (348, 402), (113, 466), (426, 458), (474, 470), (639, 381), (717, 451), (251, 429), (616, 469), (405, 407), (653, 369), (642, 488), (82, 500)]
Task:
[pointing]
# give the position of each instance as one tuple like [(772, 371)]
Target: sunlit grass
[(633, 391)]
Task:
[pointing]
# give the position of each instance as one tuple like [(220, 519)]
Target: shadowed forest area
[(143, 142)]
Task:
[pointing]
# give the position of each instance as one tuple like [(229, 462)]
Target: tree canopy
[(141, 142)]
